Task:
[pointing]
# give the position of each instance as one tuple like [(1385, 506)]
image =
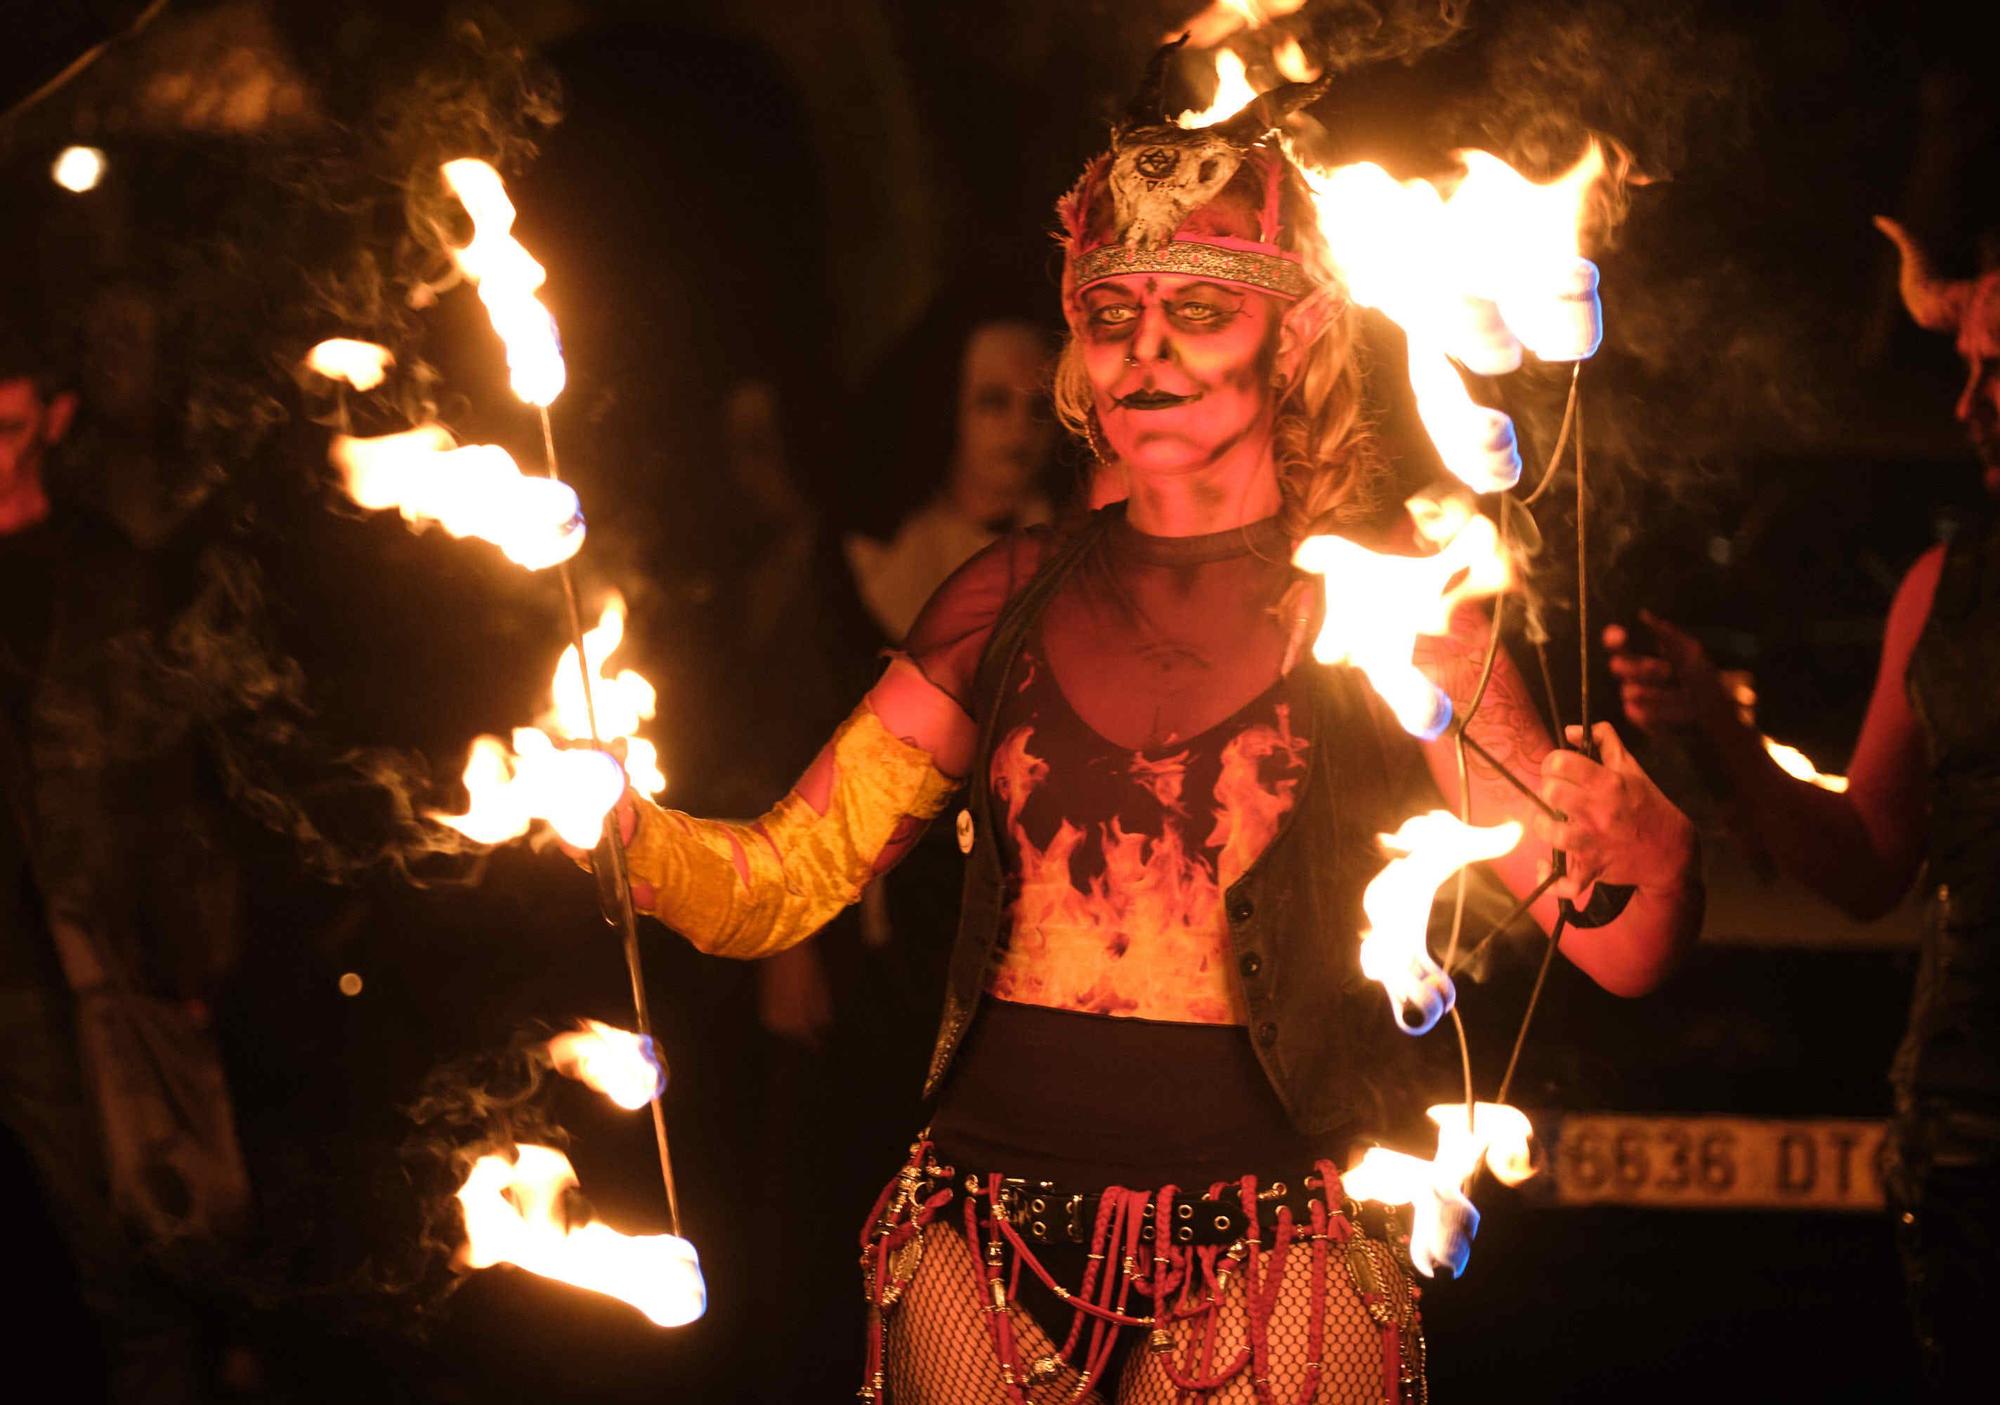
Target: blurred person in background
[(995, 476), (117, 909), (1923, 791)]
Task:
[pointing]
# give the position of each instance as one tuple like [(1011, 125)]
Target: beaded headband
[(1205, 202)]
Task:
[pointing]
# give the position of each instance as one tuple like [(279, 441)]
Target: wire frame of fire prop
[(513, 1209), (1477, 279)]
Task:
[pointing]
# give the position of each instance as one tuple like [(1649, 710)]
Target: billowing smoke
[(208, 445)]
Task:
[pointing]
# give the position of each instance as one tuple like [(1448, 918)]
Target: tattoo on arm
[(1507, 724)]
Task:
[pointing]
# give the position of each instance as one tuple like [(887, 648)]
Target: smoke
[(207, 443), (1344, 35), (483, 1103)]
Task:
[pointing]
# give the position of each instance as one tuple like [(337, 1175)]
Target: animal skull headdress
[(1968, 308), (1209, 202)]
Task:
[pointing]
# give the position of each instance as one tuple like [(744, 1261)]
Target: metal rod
[(1514, 914), (621, 874), (1506, 775), (1534, 999)]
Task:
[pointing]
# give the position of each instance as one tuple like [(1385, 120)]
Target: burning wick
[(1377, 604), (507, 276), (1472, 279), (514, 1214), (572, 787), (573, 790), (361, 364), (1427, 849), (474, 491), (1799, 766), (623, 1066), (1445, 1220)]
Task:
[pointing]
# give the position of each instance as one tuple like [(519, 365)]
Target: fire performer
[(1157, 1042), (1923, 788)]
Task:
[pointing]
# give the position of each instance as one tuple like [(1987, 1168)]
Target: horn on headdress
[(1937, 304), (1268, 111), (1148, 107)]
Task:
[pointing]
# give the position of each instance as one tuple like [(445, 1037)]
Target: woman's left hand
[(1617, 827)]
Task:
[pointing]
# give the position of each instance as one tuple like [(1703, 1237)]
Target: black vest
[(1322, 1031), (1952, 1048)]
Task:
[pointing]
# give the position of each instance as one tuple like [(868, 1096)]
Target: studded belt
[(1045, 1212)]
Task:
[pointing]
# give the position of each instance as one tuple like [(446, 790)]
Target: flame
[(1288, 56), (507, 276), (1226, 17), (1799, 766), (1232, 92), (474, 491), (1473, 279), (1377, 605), (1445, 1220), (514, 1214), (572, 789), (552, 773), (361, 364), (1428, 849), (623, 1066), (1498, 1135), (624, 699)]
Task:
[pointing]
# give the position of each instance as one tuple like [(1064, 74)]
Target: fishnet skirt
[(1316, 1313)]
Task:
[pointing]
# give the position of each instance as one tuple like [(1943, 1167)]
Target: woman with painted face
[(1157, 1046)]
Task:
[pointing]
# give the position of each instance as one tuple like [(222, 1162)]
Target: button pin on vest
[(1267, 1034), (965, 831), (1240, 907), (1250, 964)]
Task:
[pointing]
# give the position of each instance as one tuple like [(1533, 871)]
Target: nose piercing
[(1131, 359)]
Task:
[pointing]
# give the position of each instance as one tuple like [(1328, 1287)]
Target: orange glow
[(1395, 952), (361, 364), (1445, 1220), (1223, 18), (515, 1214), (507, 276), (623, 1066), (1232, 92), (474, 491), (1799, 766), (1377, 604), (1288, 56)]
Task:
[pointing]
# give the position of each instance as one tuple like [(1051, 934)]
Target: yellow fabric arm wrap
[(803, 866)]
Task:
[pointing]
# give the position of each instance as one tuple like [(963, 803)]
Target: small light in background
[(79, 168), (350, 983)]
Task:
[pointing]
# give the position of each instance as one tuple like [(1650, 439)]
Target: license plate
[(1714, 1163)]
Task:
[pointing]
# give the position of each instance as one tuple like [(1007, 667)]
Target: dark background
[(812, 195)]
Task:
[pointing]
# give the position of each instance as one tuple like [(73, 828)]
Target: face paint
[(1180, 368)]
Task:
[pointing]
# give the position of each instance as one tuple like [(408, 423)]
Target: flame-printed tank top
[(1118, 855)]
